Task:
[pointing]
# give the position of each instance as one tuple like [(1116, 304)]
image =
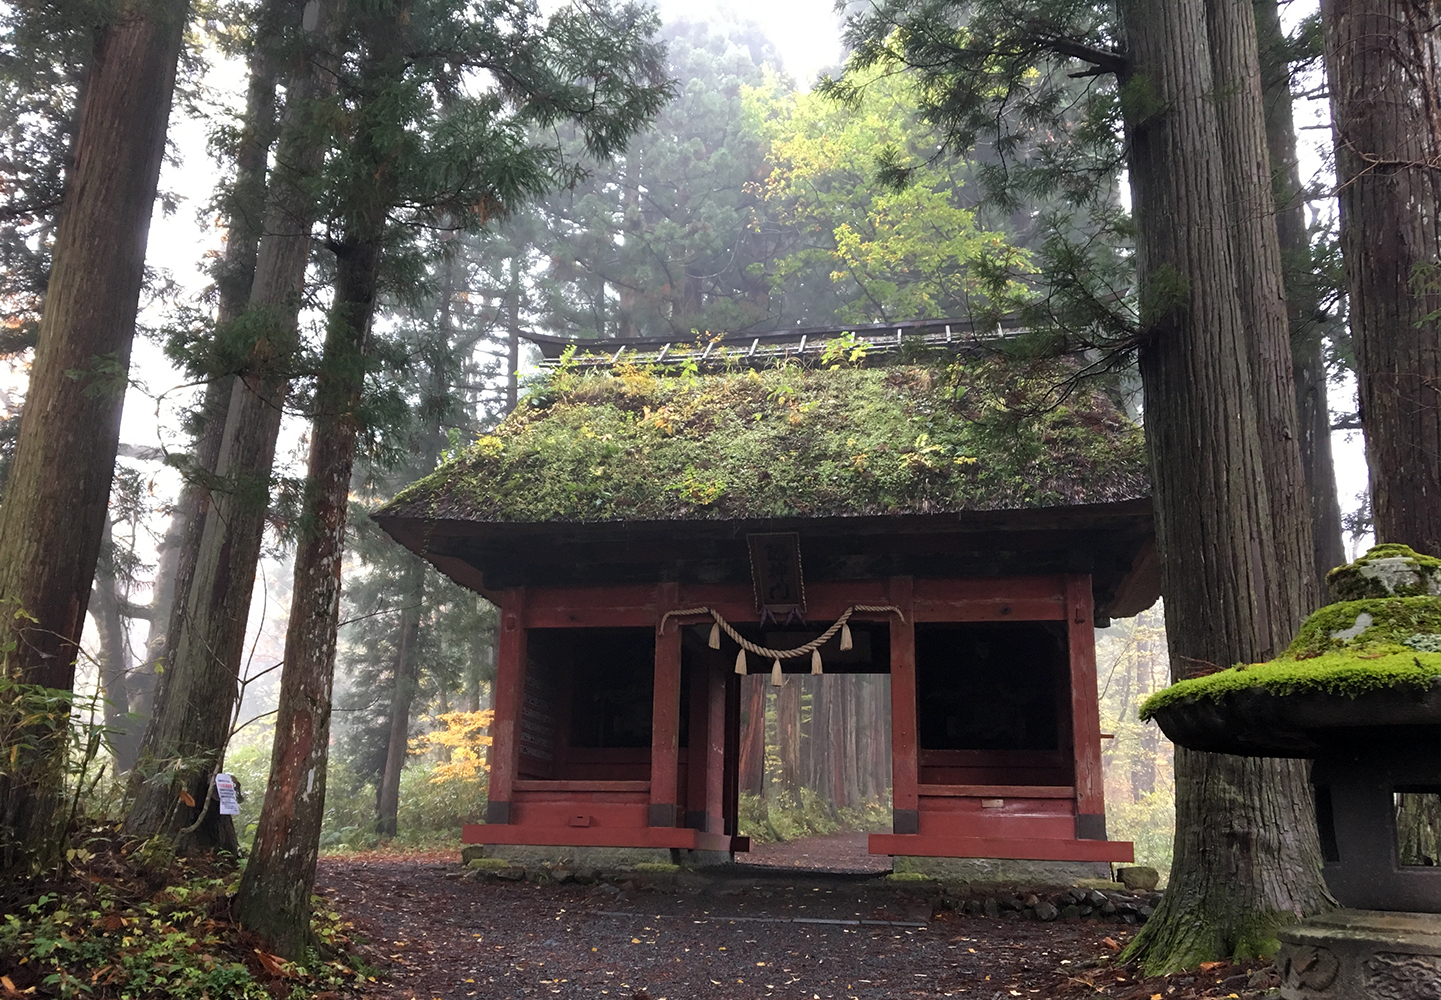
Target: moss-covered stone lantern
[(1359, 692)]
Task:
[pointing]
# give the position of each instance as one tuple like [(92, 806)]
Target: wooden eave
[(1114, 542)]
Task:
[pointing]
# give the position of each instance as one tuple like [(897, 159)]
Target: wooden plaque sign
[(776, 574)]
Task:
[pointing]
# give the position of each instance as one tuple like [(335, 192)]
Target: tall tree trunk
[(788, 738), (274, 895), (142, 686), (1383, 58), (753, 735), (51, 523), (1308, 355), (234, 278), (114, 657), (512, 336), (407, 680), (1236, 556), (196, 695)]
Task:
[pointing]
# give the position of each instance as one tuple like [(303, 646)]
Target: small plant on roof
[(847, 349)]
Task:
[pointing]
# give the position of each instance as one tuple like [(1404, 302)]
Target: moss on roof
[(1343, 649), (630, 444)]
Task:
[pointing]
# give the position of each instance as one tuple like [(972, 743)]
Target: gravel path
[(758, 932), (840, 852)]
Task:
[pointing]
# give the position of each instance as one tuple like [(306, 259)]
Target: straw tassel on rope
[(816, 662), (845, 637), (741, 667), (715, 636), (778, 678)]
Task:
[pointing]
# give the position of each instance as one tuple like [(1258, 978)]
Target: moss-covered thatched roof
[(645, 444)]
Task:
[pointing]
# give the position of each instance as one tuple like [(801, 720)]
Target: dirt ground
[(776, 928)]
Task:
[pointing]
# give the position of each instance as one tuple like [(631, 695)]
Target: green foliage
[(1137, 761), (52, 741), (908, 249), (1376, 657), (776, 817), (666, 238), (431, 814), (625, 444), (847, 349), (128, 941)]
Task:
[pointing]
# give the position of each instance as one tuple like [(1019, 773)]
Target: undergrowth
[(111, 925), (777, 817)]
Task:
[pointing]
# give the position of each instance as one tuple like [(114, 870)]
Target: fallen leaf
[(187, 798), (1155, 996), (1110, 944), (1208, 966), (274, 964), (9, 986)]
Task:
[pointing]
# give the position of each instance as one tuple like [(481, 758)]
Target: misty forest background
[(750, 205)]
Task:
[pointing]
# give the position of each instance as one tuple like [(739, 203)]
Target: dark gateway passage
[(990, 686)]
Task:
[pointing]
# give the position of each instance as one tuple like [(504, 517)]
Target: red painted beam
[(1001, 791), (1014, 849), (566, 836)]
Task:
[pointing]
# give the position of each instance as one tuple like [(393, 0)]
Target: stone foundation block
[(1362, 955)]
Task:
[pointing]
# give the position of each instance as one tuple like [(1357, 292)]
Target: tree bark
[(234, 279), (51, 524), (1236, 556), (274, 895), (1308, 355), (113, 660), (788, 739), (512, 337), (196, 696), (1383, 59), (753, 735), (407, 680)]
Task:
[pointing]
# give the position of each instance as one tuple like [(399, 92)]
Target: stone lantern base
[(1362, 955)]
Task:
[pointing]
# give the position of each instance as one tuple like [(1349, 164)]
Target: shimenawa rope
[(812, 647)]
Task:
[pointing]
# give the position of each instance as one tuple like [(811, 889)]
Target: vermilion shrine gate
[(622, 613)]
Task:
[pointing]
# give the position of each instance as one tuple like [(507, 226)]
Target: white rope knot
[(813, 647)]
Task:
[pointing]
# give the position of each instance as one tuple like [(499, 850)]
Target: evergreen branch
[(1103, 60)]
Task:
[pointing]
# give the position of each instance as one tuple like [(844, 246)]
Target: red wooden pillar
[(1085, 710), (665, 712), (509, 695), (905, 748)]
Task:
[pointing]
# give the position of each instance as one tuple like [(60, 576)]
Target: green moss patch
[(1388, 570), (1343, 649), (630, 444)]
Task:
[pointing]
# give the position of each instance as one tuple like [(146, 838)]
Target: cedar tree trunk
[(274, 895), (1236, 556), (191, 725), (407, 680), (55, 500), (234, 277), (1383, 58), (1308, 355), (113, 659)]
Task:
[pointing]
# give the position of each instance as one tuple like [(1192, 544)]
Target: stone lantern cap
[(1361, 672)]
